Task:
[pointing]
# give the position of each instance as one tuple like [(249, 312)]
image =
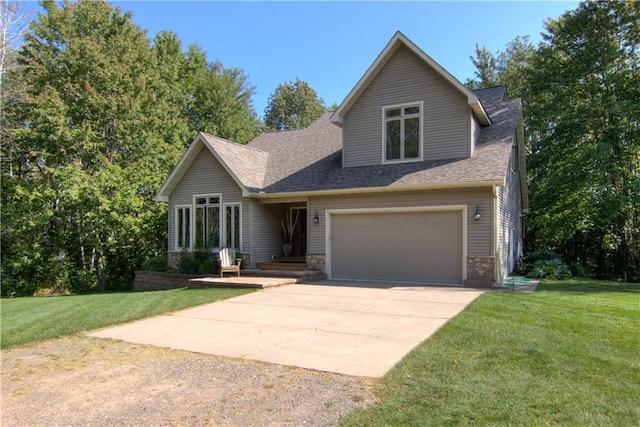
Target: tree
[(293, 105), (486, 69), (584, 116), (99, 137), (505, 68), (12, 26), (102, 117), (222, 104), (208, 96)]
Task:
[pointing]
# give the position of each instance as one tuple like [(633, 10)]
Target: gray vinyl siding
[(266, 234), (478, 232), (509, 215), (207, 176), (406, 79)]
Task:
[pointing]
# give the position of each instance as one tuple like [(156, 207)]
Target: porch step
[(299, 266), (290, 259)]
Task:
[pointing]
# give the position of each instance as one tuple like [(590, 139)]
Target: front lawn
[(567, 355), (31, 319)]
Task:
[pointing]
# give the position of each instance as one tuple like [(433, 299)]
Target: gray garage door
[(421, 247)]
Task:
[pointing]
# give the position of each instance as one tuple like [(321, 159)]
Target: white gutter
[(387, 189)]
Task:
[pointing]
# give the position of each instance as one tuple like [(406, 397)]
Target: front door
[(299, 241)]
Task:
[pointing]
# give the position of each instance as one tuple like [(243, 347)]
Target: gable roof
[(396, 41), (298, 162), (307, 160), (245, 165), (487, 166)]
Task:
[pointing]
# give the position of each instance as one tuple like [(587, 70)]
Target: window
[(183, 227), (207, 221), (402, 132), (232, 225), (208, 224)]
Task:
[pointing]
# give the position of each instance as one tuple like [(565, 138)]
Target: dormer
[(407, 108)]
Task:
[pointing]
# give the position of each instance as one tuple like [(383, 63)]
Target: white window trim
[(193, 216), (224, 225), (176, 225), (384, 132)]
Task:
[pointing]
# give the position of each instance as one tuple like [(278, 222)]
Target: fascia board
[(363, 190), (226, 168), (178, 172), (185, 162)]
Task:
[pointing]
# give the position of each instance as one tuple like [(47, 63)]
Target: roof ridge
[(275, 131), (208, 135)]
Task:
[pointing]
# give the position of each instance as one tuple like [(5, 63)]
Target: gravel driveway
[(83, 381)]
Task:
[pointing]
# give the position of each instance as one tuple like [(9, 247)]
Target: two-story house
[(414, 178)]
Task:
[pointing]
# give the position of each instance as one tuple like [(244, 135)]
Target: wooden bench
[(225, 256)]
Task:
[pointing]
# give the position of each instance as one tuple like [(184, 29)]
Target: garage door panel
[(401, 246)]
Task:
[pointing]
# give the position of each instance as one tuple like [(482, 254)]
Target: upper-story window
[(402, 132)]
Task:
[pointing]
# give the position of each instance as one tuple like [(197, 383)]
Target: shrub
[(578, 270), (209, 266), (543, 255), (198, 262), (158, 263), (550, 269)]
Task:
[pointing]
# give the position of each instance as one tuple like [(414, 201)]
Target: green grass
[(567, 355), (25, 320)]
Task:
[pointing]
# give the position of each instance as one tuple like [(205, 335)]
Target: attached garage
[(417, 245)]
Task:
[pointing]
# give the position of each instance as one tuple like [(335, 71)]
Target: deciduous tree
[(293, 105), (99, 138), (583, 110)]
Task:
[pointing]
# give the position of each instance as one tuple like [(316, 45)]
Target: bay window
[(208, 224)]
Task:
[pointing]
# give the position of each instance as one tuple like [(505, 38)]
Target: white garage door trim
[(330, 212)]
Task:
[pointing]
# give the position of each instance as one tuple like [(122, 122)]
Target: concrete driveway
[(348, 328)]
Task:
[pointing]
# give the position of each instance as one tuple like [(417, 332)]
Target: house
[(414, 178)]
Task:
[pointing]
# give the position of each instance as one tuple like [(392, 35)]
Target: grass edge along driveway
[(565, 355), (31, 319)]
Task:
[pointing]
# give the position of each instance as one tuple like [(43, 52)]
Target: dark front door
[(299, 241)]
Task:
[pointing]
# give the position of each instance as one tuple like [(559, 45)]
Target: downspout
[(497, 273)]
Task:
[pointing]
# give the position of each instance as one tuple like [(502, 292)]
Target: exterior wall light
[(477, 216), (316, 218)]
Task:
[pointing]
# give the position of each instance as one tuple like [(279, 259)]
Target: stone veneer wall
[(156, 280), (316, 262), (480, 271), (172, 259)]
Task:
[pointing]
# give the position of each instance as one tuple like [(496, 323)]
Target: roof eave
[(185, 162), (385, 189), (177, 173)]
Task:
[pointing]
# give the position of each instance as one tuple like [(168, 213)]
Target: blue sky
[(331, 44)]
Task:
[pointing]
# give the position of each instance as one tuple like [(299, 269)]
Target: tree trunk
[(102, 282)]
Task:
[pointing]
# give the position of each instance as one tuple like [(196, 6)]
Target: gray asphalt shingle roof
[(246, 163), (310, 159)]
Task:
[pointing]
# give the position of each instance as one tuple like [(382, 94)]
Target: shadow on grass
[(580, 286)]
